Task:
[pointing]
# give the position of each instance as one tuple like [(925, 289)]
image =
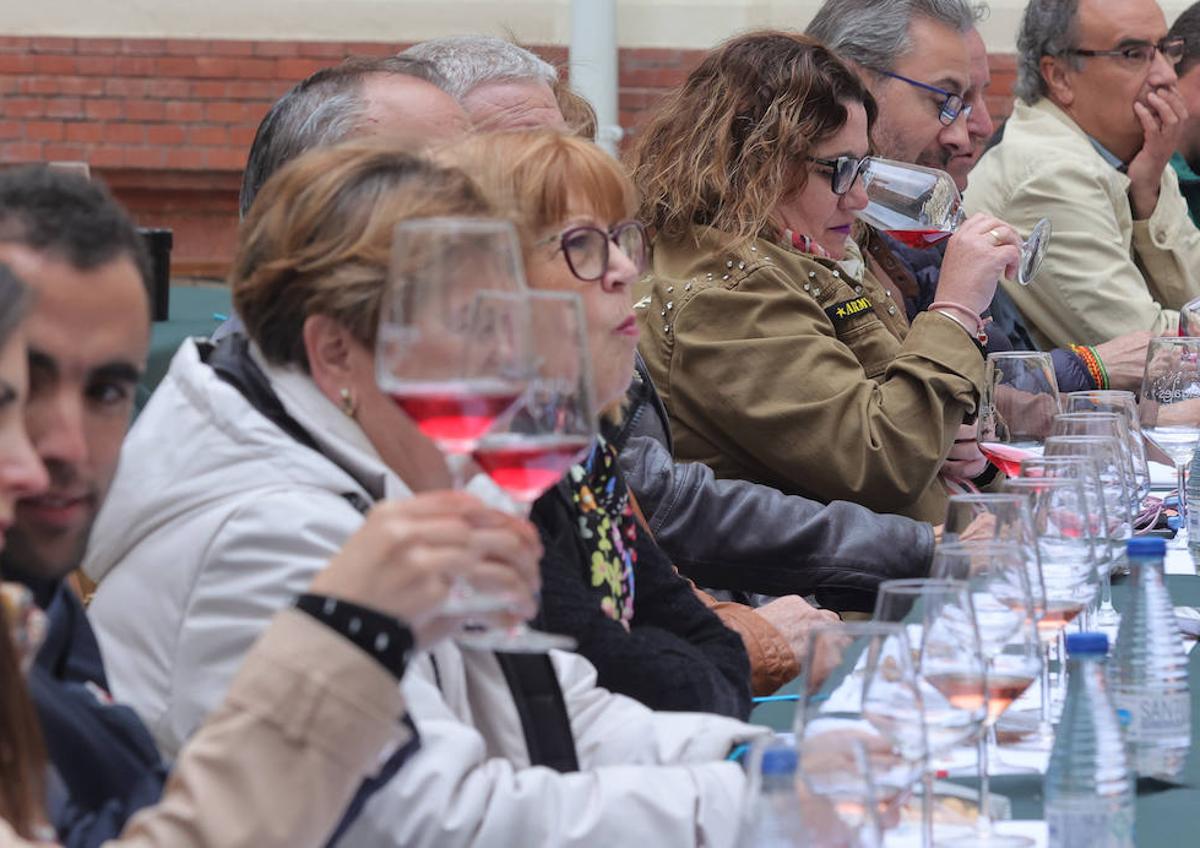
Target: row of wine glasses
[(492, 373)]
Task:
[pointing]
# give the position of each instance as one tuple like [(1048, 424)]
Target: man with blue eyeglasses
[(1098, 116)]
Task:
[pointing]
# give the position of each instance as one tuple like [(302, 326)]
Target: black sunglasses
[(843, 171), (586, 248)]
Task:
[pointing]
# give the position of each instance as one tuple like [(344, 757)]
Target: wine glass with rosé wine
[(1017, 407), (921, 206), (451, 374)]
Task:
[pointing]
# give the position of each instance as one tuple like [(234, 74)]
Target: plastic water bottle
[(777, 822), (1149, 675), (1089, 788)]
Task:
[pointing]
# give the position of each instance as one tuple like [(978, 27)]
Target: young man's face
[(87, 335)]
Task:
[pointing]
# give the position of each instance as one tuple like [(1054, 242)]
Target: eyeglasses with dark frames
[(1140, 54), (586, 247), (843, 171), (951, 106)]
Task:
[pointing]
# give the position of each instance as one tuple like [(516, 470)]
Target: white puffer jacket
[(217, 519)]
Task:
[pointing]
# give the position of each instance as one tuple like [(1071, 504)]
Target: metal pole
[(593, 64)]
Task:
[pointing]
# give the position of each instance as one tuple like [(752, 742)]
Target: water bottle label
[(1154, 716), (1089, 823)]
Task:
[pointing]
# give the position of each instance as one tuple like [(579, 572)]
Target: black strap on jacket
[(531, 679)]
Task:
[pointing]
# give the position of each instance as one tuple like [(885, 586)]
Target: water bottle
[(777, 822), (1193, 496), (1089, 787), (1149, 676)]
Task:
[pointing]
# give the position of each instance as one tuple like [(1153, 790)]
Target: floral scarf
[(608, 527)]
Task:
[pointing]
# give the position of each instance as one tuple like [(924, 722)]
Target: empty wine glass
[(1109, 537), (1017, 407), (921, 206), (939, 617), (1169, 404), (1103, 424), (859, 682), (1189, 318), (1125, 404), (836, 791), (997, 584)]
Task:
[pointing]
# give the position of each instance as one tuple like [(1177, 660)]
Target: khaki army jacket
[(777, 367)]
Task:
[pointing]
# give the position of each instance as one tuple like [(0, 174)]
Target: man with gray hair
[(397, 95), (500, 85), (1097, 119)]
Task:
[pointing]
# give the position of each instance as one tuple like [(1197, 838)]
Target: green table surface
[(1167, 814), (190, 314)]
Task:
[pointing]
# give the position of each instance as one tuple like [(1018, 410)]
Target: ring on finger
[(997, 239)]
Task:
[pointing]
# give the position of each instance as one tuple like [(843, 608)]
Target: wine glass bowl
[(1018, 404), (1169, 403), (921, 206)]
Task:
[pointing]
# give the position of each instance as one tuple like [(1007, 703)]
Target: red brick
[(10, 130), (277, 48), (106, 46), (99, 109), (135, 66), (53, 64), (86, 132), (47, 44), (184, 110), (186, 47), (323, 49), (59, 152), (146, 157), (14, 44), (106, 156), (256, 89), (21, 151), (256, 69), (124, 133), (208, 136), (144, 46), (85, 86), (229, 47), (242, 137), (176, 66), (168, 88), (44, 130), (297, 69), (164, 135), (16, 63), (373, 49), (64, 107), (22, 107), (190, 159), (145, 110), (233, 112), (101, 66), (224, 159), (125, 87), (209, 89), (38, 85), (9, 85)]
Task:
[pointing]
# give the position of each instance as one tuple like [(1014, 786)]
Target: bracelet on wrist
[(384, 638), (1093, 364)]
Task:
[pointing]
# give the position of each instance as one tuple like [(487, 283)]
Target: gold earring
[(348, 405)]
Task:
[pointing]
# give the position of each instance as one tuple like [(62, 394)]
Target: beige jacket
[(1105, 274), (764, 380), (308, 718)]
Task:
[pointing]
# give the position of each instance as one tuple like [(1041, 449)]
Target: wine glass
[(549, 428), (1125, 404), (1109, 538), (921, 206), (859, 682), (939, 617), (450, 375), (1103, 424), (996, 581), (1017, 407), (1189, 318), (836, 792), (1169, 403)]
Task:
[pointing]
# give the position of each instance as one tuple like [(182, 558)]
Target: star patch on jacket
[(841, 312)]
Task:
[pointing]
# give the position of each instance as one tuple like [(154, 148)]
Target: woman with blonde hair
[(278, 443), (605, 581), (781, 359)]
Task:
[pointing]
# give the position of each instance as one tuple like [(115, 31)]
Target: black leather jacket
[(742, 536)]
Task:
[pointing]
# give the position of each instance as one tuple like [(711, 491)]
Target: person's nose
[(956, 136), (622, 271), (22, 473), (856, 198), (980, 125), (56, 426), (1162, 71)]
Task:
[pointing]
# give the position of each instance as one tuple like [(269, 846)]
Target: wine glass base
[(990, 839), (516, 640)]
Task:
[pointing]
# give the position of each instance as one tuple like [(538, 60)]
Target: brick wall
[(167, 122)]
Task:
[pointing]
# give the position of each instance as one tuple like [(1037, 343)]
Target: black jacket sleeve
[(676, 656)]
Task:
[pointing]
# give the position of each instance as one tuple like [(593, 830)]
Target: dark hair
[(729, 145), (68, 216), (1048, 28), (320, 241), (1187, 27), (321, 110), (22, 755), (14, 301)]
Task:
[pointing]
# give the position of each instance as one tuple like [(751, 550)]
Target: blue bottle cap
[(781, 760), (1087, 643), (1146, 546)]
